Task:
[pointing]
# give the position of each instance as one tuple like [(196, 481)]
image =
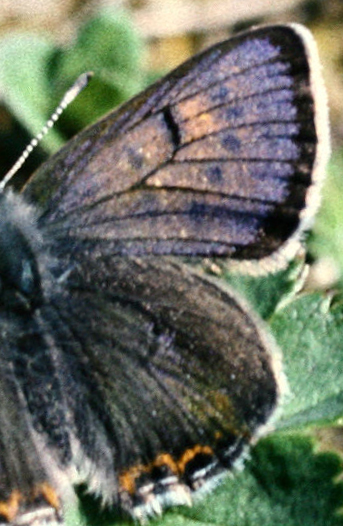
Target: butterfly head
[(19, 275)]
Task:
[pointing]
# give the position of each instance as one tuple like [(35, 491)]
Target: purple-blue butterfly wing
[(215, 159)]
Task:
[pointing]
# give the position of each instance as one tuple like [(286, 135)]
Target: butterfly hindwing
[(27, 468), (150, 373)]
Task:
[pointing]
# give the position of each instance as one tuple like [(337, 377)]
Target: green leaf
[(24, 84), (327, 238), (310, 333), (265, 292)]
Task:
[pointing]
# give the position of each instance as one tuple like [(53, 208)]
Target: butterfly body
[(125, 369)]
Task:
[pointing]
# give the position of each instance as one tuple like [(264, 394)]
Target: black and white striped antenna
[(80, 83)]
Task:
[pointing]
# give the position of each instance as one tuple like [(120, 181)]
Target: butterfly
[(122, 367)]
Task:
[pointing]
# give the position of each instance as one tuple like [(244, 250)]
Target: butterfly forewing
[(216, 159)]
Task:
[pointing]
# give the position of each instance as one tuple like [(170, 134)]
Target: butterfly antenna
[(81, 82)]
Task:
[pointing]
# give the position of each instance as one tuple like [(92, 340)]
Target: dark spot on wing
[(214, 174), (219, 93), (197, 210), (234, 112), (231, 143)]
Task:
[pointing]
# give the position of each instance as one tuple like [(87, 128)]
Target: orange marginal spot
[(127, 480), (9, 509), (165, 460), (48, 493), (189, 454)]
